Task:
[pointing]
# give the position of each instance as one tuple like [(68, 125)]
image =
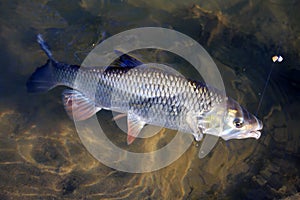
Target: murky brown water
[(41, 155)]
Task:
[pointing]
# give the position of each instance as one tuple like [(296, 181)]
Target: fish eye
[(238, 123)]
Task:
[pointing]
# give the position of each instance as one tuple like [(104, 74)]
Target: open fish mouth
[(255, 134), (250, 134)]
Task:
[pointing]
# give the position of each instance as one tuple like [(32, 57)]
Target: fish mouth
[(255, 134), (254, 131)]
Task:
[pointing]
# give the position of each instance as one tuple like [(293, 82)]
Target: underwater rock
[(273, 168), (293, 197), (70, 184), (275, 181), (259, 180)]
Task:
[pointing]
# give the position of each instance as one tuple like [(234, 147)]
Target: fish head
[(239, 123)]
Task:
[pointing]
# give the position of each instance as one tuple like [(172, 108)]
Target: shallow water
[(42, 156)]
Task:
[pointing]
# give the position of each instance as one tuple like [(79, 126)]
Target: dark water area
[(41, 155)]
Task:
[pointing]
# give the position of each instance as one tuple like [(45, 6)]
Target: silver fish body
[(157, 97), (147, 95)]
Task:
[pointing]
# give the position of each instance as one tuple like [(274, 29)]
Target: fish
[(147, 96)]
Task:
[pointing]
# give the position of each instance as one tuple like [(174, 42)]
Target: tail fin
[(42, 79)]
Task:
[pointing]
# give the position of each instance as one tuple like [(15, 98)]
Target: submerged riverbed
[(42, 156)]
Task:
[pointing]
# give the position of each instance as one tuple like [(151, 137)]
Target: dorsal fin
[(126, 60)]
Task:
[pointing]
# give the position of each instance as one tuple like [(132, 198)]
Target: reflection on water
[(42, 156)]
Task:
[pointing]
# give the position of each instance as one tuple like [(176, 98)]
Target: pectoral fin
[(135, 125), (78, 106), (207, 145)]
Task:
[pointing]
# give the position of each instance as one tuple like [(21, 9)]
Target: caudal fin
[(42, 79)]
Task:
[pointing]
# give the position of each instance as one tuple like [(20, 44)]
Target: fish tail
[(43, 79)]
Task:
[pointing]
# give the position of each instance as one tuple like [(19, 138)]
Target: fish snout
[(256, 132), (260, 124)]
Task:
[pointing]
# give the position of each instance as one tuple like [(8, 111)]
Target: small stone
[(266, 173), (274, 168), (293, 197), (282, 190), (259, 180)]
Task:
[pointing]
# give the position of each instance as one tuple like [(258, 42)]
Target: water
[(42, 156)]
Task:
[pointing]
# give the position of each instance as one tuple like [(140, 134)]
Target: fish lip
[(255, 134)]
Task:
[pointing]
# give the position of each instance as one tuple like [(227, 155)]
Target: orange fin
[(135, 125)]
